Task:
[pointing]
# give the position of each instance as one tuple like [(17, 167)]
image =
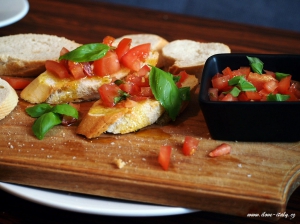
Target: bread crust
[(8, 99)]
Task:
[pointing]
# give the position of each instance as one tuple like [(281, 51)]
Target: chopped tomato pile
[(252, 84)]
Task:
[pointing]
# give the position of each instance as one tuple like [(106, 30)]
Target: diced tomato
[(63, 51), (270, 73), (253, 95), (295, 88), (293, 97), (57, 69), (229, 97), (144, 71), (130, 88), (164, 156), (284, 84), (108, 93), (221, 82), (134, 58), (220, 150), (16, 82), (190, 145), (244, 71), (108, 40), (87, 68), (183, 76), (213, 94), (146, 91), (107, 65), (142, 81), (259, 80), (242, 97), (123, 47), (227, 71), (138, 98), (76, 69), (270, 86), (264, 94)]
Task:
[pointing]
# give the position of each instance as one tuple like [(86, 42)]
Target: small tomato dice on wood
[(220, 150), (190, 145), (16, 82), (164, 156)]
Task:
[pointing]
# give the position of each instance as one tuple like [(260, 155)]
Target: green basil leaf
[(185, 93), (165, 91), (235, 80), (256, 64), (87, 52), (65, 109), (280, 75), (122, 96), (38, 110), (119, 82), (241, 82), (44, 123), (277, 97), (235, 91)]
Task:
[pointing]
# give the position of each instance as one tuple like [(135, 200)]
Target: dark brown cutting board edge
[(255, 177)]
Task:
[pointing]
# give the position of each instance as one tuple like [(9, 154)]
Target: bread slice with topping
[(24, 55), (189, 55), (157, 43), (125, 119), (8, 99)]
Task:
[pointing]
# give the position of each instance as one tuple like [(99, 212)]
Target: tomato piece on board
[(164, 156), (190, 145), (16, 82), (108, 40), (123, 47), (134, 58), (284, 84), (57, 69), (220, 150), (108, 94), (76, 69), (107, 65), (220, 82)]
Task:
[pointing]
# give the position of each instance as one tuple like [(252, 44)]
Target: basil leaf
[(241, 82), (256, 64), (165, 91), (235, 92), (44, 123), (119, 82), (280, 75), (38, 110), (185, 93), (235, 80), (277, 97), (122, 96), (87, 52), (65, 109)]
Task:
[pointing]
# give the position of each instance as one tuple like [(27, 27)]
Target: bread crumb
[(120, 163)]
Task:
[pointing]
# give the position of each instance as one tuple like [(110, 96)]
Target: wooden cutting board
[(255, 177)]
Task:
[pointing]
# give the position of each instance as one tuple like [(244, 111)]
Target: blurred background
[(282, 14)]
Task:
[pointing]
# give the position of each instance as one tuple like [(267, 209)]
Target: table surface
[(87, 22)]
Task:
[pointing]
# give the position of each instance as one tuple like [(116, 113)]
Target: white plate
[(90, 204), (12, 11)]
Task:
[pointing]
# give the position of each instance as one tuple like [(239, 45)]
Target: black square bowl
[(251, 121)]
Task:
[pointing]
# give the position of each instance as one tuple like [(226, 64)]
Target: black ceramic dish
[(251, 121)]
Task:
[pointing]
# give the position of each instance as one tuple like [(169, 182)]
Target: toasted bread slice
[(25, 54), (122, 120), (189, 55), (8, 99), (157, 43), (51, 89)]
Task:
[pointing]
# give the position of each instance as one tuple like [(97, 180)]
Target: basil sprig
[(87, 52), (241, 82), (166, 92), (280, 75), (49, 116), (277, 97), (256, 64)]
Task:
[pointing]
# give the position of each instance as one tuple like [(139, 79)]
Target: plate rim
[(18, 15)]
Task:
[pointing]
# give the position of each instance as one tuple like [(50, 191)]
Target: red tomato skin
[(107, 65), (76, 69), (243, 97), (164, 156), (259, 80), (229, 97), (227, 71), (284, 84), (220, 150), (252, 95), (270, 86), (16, 82), (190, 145), (130, 88), (108, 92), (108, 40), (221, 82), (134, 58), (57, 69), (123, 47)]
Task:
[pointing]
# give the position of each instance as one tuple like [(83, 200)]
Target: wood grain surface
[(255, 177)]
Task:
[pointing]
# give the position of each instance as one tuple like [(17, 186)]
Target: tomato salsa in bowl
[(245, 97)]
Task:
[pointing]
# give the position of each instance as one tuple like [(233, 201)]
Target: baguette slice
[(123, 120), (190, 55), (157, 43), (24, 55), (8, 99)]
